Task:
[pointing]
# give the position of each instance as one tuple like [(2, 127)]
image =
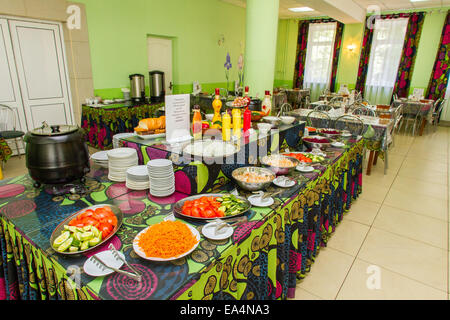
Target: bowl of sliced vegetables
[(305, 157), (320, 142), (253, 178), (280, 164), (203, 207), (86, 229)]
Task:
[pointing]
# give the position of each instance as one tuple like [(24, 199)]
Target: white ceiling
[(384, 5)]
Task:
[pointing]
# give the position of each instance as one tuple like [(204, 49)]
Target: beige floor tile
[(426, 157), (420, 187), (434, 176), (363, 211), (420, 165), (411, 225), (417, 203), (327, 273), (301, 294), (378, 177), (373, 192), (348, 237), (411, 258), (360, 285)]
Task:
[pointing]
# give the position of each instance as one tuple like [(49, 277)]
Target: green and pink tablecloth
[(5, 150), (264, 259), (101, 123)]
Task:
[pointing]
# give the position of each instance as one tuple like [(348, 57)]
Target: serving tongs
[(117, 256), (222, 224), (103, 266)]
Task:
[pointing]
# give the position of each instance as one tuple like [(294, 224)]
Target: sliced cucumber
[(88, 235), (65, 245), (84, 245), (73, 249), (95, 231), (60, 239), (94, 242)]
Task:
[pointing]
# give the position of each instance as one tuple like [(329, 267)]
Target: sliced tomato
[(112, 220), (105, 228)]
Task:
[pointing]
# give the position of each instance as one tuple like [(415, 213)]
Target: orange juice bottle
[(197, 124), (217, 106)]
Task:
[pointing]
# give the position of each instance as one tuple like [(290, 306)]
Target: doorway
[(160, 58)]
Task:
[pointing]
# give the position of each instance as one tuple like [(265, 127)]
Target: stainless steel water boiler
[(157, 90), (137, 87)]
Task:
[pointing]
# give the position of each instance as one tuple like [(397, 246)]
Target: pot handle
[(55, 128)]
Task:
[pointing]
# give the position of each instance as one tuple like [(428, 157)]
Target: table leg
[(375, 158), (369, 163), (422, 126)]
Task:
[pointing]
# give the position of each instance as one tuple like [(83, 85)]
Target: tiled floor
[(394, 242)]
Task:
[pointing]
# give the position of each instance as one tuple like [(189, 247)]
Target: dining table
[(420, 108), (376, 132), (267, 255), (101, 122)]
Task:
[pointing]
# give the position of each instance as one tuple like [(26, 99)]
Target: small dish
[(107, 256), (255, 200), (209, 231), (338, 144), (284, 182), (287, 119), (306, 169), (264, 127)]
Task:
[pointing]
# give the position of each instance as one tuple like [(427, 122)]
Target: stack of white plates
[(162, 178), (100, 158), (119, 136), (119, 160), (137, 178)]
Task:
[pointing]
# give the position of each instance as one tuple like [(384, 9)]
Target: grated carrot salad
[(167, 239)]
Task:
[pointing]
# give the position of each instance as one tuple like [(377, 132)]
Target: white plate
[(159, 163), (346, 134), (209, 229), (140, 253), (338, 144), (138, 171), (255, 200), (305, 169), (100, 156), (278, 182), (106, 256), (121, 153), (151, 136)]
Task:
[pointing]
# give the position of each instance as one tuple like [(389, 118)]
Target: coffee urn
[(157, 90), (137, 87)]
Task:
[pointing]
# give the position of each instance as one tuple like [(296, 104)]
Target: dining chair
[(435, 117), (351, 123), (363, 111), (318, 119), (8, 129), (411, 115), (323, 107)]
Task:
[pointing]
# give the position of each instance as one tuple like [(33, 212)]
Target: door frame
[(172, 40)]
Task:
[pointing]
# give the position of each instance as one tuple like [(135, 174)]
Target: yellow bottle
[(236, 123), (226, 127), (217, 106)]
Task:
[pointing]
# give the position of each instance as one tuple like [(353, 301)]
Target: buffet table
[(101, 123), (263, 259)]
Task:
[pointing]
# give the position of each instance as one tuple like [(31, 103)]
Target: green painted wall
[(118, 30), (348, 62)]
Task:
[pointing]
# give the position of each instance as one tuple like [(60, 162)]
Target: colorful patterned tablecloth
[(264, 258), (103, 122), (5, 150)]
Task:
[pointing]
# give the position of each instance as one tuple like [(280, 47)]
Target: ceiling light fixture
[(300, 9)]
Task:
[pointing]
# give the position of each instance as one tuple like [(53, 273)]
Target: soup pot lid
[(54, 130)]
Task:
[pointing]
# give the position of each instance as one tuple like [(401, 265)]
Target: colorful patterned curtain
[(406, 66), (441, 70), (303, 27)]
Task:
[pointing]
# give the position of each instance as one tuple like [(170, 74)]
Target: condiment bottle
[(236, 122), (247, 120), (217, 106), (226, 127), (246, 97), (267, 103), (197, 124)]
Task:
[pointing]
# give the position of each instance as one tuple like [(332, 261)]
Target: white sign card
[(178, 119)]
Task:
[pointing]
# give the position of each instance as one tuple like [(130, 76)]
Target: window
[(385, 54), (319, 56)]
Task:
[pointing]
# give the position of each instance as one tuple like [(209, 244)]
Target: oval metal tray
[(177, 208), (58, 230)]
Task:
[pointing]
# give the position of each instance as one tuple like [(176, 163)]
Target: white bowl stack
[(100, 158), (137, 178), (162, 177), (119, 136), (119, 160)]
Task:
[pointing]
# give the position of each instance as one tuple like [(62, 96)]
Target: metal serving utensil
[(117, 256), (103, 266)]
